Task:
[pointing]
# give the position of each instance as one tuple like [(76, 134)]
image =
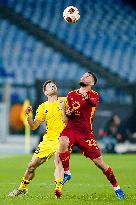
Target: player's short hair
[(94, 76), (47, 82)]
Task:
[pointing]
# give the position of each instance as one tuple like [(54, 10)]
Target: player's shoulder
[(94, 92), (72, 92), (61, 97), (42, 105)]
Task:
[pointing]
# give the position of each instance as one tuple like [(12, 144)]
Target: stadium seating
[(30, 59), (105, 32)]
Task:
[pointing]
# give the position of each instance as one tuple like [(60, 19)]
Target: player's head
[(88, 79), (49, 88)]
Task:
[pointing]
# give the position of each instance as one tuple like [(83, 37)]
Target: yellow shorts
[(47, 147)]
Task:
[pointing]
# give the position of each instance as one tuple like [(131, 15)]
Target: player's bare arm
[(63, 107), (34, 124)]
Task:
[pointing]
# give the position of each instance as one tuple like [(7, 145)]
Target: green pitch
[(87, 186)]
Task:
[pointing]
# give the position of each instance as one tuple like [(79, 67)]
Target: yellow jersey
[(51, 114)]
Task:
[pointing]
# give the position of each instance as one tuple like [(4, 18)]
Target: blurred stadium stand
[(37, 44), (106, 35)]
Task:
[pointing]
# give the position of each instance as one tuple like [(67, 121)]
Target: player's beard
[(53, 93), (82, 84)]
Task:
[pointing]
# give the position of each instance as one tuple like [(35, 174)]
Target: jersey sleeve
[(40, 113), (93, 100)]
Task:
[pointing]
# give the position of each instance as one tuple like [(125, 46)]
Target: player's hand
[(62, 103), (69, 111), (28, 110)]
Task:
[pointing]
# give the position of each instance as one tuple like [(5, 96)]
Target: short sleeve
[(40, 113), (93, 100)]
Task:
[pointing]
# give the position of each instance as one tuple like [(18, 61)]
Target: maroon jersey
[(84, 109)]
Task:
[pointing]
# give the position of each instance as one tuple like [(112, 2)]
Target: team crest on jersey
[(76, 105)]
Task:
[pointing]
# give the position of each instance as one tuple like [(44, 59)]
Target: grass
[(87, 186)]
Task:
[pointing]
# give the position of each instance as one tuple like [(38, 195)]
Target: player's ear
[(45, 92)]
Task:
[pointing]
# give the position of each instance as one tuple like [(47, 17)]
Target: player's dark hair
[(47, 82), (94, 76)]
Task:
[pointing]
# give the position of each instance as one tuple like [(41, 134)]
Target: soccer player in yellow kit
[(52, 112)]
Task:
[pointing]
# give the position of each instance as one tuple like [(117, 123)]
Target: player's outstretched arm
[(34, 124), (63, 108)]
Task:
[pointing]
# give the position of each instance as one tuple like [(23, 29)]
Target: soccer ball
[(71, 14)]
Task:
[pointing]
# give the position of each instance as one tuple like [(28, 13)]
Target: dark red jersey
[(84, 109)]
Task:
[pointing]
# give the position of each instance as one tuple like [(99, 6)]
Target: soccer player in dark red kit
[(82, 104)]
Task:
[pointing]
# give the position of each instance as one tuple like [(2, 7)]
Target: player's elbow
[(65, 120), (94, 104), (33, 127)]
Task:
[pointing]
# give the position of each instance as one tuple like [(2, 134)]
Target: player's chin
[(52, 93), (55, 92)]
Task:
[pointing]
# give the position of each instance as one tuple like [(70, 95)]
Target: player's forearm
[(92, 101), (65, 118), (32, 123)]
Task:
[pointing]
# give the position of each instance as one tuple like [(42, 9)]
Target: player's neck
[(52, 98), (87, 88)]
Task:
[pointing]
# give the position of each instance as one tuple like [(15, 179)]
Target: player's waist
[(80, 126), (51, 136), (54, 131)]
